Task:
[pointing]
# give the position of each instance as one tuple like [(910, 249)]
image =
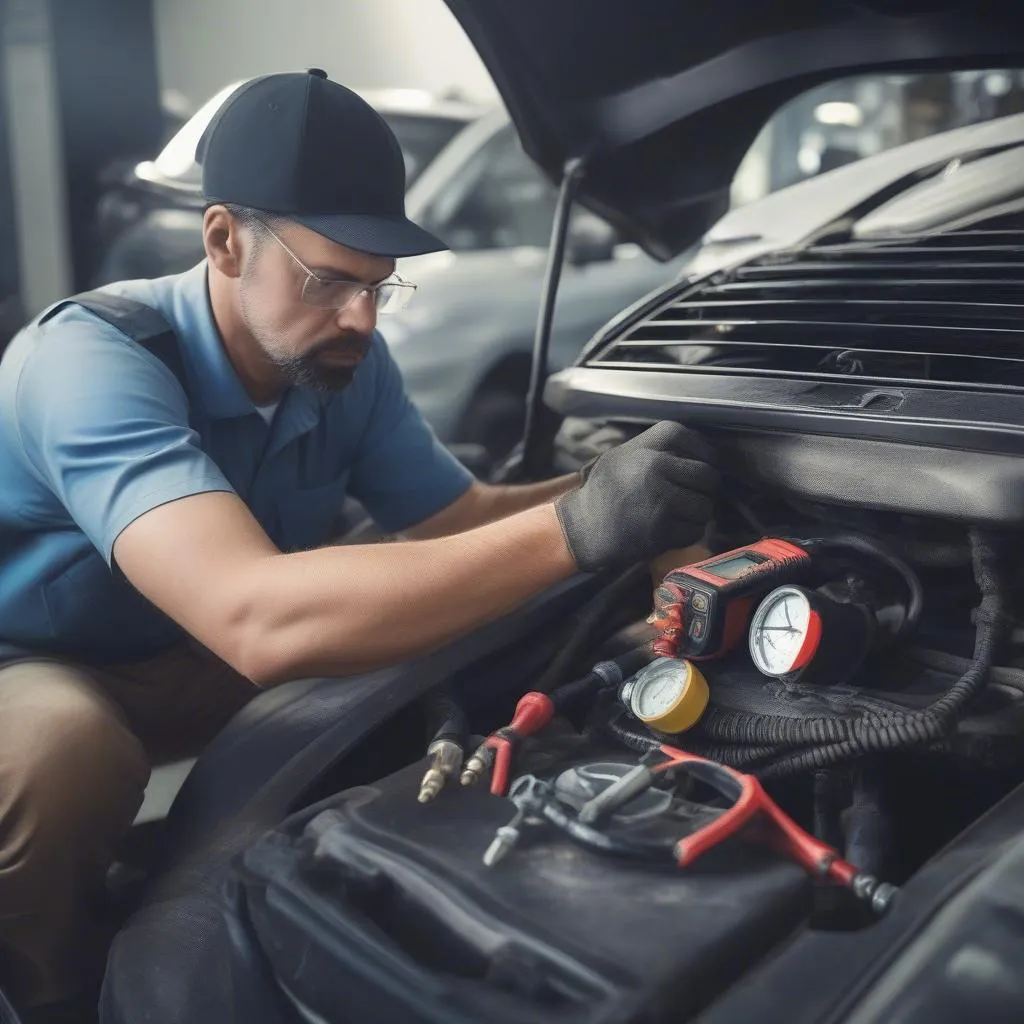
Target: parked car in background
[(464, 345)]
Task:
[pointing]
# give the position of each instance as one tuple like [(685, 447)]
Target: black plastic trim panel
[(933, 416), (849, 449)]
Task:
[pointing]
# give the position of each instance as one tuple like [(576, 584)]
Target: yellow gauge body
[(669, 695)]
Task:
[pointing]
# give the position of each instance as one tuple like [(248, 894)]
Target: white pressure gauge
[(785, 632)]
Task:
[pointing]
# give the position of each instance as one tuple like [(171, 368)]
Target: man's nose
[(360, 315)]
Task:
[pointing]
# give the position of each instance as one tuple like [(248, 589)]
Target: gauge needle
[(784, 629), (785, 608)]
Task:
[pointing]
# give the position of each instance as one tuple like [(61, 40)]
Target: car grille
[(944, 310)]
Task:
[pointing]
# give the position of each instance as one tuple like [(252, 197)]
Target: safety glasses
[(390, 296)]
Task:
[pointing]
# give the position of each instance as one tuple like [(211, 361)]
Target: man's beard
[(310, 374), (307, 371)]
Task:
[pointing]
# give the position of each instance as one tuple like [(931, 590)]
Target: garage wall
[(203, 45)]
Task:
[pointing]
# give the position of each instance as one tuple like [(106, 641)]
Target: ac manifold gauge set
[(811, 611)]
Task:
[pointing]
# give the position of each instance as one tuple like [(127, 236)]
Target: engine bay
[(716, 763)]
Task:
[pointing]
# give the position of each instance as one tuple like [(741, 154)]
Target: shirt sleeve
[(402, 474), (105, 425)]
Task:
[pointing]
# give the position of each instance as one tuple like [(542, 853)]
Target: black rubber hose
[(887, 557), (1005, 675), (991, 623), (607, 674), (604, 842), (640, 739), (636, 737), (811, 759), (829, 798), (869, 827), (568, 693), (446, 719), (743, 728), (735, 756), (589, 621)]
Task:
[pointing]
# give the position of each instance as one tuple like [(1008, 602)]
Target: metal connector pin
[(504, 839), (446, 760), (878, 895), (475, 767)]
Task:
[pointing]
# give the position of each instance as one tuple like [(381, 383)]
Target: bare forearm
[(508, 500), (335, 611), (487, 503)]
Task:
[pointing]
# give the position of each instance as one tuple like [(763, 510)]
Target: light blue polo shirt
[(95, 431)]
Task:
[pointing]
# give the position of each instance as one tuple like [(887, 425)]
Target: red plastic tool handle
[(502, 764), (532, 713), (751, 800)]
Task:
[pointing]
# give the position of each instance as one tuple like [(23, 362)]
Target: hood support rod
[(536, 445)]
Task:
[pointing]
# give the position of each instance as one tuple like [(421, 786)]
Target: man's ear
[(223, 242)]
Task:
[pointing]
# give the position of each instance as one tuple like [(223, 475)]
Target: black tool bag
[(373, 908)]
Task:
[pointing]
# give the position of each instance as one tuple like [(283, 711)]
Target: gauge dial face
[(779, 629), (659, 688)]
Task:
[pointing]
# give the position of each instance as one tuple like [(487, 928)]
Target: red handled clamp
[(533, 712), (749, 803)]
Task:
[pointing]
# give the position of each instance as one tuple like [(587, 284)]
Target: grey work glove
[(644, 497)]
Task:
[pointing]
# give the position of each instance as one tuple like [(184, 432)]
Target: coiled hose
[(638, 738), (874, 733)]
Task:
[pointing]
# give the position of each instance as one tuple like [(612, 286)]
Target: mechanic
[(165, 550)]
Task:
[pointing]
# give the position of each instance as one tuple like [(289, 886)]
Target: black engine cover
[(374, 908)]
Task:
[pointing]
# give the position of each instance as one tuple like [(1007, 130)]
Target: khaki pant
[(76, 745)]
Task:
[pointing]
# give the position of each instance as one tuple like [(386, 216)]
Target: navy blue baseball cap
[(303, 147)]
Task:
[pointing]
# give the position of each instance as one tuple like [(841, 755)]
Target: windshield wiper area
[(964, 191)]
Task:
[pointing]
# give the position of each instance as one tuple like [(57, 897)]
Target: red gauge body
[(702, 610)]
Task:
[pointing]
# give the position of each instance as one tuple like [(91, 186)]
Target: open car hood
[(662, 98)]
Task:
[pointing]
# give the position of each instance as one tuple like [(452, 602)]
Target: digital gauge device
[(668, 695), (803, 634), (702, 610)]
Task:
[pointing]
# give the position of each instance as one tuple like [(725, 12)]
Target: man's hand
[(650, 494)]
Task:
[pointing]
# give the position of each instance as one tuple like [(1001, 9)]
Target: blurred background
[(102, 101)]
